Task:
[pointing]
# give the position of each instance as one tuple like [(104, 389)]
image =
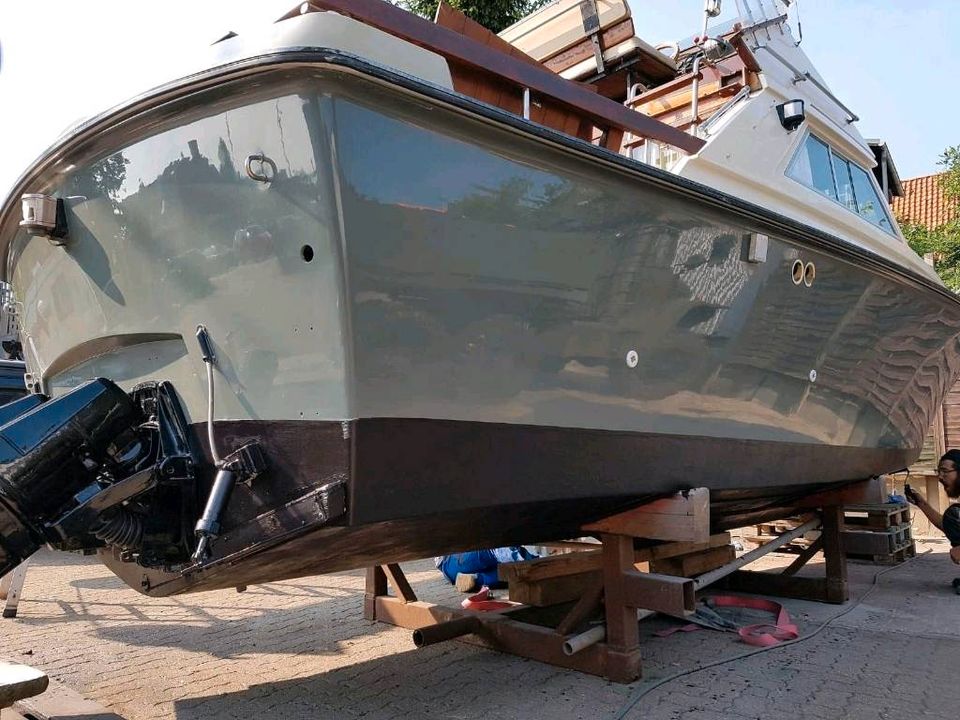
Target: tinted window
[(870, 206), (841, 171), (812, 167), (821, 169)]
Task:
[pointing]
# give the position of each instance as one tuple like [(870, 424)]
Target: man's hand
[(955, 555), (911, 495)]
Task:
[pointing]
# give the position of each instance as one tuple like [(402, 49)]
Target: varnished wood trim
[(458, 48)]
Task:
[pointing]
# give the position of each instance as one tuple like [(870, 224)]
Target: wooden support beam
[(399, 581), (588, 604), (765, 583), (668, 594), (804, 557), (497, 631), (623, 631), (837, 590), (456, 47), (865, 492), (375, 587), (680, 517), (695, 563), (554, 590)]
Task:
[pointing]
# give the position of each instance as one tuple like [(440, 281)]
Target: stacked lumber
[(563, 578)]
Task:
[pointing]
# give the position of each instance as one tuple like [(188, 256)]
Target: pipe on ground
[(576, 643), (433, 634)]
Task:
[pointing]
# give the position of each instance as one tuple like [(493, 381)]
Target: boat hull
[(489, 332)]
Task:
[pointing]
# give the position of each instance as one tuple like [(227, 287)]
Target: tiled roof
[(923, 202)]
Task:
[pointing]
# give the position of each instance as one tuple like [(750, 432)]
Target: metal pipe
[(695, 100), (433, 634), (576, 643), (718, 115), (721, 572), (799, 76)]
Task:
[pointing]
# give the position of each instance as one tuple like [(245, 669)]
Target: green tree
[(492, 14), (942, 241)]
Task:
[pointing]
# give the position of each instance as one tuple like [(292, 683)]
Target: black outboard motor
[(74, 470)]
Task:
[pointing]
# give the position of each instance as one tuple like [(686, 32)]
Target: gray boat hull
[(492, 332)]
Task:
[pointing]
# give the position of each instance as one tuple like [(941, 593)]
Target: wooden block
[(553, 591), (865, 492), (681, 517), (588, 560), (696, 563), (550, 567), (763, 583)]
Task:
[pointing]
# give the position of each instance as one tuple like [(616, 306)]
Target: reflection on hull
[(481, 336)]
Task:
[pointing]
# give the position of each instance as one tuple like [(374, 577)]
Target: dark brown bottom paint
[(419, 488)]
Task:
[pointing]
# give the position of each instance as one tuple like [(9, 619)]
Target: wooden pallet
[(768, 531)]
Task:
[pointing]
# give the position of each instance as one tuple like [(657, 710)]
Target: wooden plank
[(551, 566), (696, 563), (744, 53), (680, 99), (590, 559), (407, 26), (498, 632), (865, 492), (453, 19), (764, 583), (556, 590), (680, 517)]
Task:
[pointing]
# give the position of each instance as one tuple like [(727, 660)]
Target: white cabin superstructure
[(748, 151)]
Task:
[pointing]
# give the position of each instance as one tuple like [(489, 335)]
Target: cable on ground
[(636, 698)]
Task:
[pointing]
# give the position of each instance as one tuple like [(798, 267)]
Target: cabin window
[(841, 172), (870, 206), (812, 167), (821, 168)]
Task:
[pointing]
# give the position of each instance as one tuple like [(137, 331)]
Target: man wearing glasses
[(948, 473)]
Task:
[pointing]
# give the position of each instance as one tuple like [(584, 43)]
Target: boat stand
[(11, 586), (608, 585)]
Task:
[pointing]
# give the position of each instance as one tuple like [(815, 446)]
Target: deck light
[(791, 114)]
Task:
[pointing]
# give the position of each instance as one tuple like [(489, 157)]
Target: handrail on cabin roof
[(459, 48)]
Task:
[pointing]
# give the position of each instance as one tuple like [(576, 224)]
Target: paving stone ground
[(301, 649)]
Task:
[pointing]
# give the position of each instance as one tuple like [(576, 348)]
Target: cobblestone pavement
[(301, 649)]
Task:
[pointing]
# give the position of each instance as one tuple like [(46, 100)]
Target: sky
[(890, 61)]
